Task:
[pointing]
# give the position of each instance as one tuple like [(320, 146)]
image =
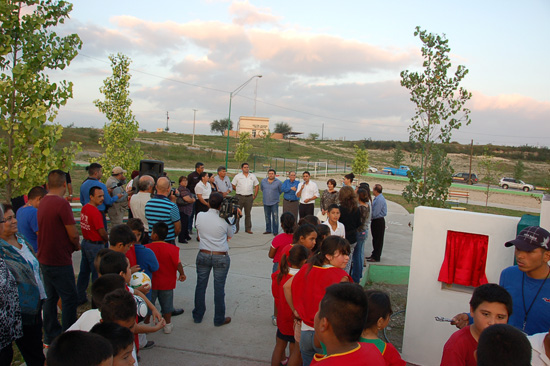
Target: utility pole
[(323, 132), (167, 118), (471, 154), (194, 114)]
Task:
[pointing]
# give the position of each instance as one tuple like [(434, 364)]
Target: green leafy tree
[(439, 102), (243, 148), (313, 136), (120, 132), (282, 127), (29, 102), (434, 190), (519, 170), (220, 125), (398, 156), (360, 162), (490, 173)]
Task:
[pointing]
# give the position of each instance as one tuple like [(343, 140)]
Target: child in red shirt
[(339, 330), (305, 290), (288, 223), (305, 235), (285, 321), (164, 279), (378, 319)]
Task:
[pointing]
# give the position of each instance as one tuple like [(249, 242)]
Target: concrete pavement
[(250, 337)]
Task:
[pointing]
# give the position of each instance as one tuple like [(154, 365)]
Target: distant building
[(160, 130), (256, 126)]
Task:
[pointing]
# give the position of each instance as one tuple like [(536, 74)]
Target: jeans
[(307, 347), (166, 300), (89, 252), (58, 282), (358, 256), (220, 265), (272, 218)]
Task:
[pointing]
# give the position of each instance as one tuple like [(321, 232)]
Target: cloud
[(247, 14), (511, 103)]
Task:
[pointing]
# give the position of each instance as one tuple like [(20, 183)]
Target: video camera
[(229, 208)]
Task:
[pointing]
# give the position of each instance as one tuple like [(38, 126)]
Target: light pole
[(231, 95), (194, 114)]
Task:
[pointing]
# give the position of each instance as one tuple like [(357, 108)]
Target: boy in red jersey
[(338, 325), (164, 279)]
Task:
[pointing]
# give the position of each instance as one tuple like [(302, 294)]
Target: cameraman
[(213, 254), (162, 208), (116, 183)]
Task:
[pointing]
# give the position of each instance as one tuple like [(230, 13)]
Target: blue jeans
[(358, 256), (58, 282), (272, 218), (89, 252), (307, 347), (220, 265)]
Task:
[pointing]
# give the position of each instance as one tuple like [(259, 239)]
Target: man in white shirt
[(246, 187), (146, 184), (308, 192)]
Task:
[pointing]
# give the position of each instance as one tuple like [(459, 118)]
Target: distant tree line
[(524, 152)]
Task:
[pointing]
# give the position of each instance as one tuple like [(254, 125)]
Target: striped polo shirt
[(161, 209)]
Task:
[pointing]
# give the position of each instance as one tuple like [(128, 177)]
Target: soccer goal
[(320, 168)]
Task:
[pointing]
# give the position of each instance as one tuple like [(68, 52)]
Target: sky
[(331, 68)]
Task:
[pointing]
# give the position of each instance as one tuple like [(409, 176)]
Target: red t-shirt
[(91, 221), (363, 354), (285, 317), (131, 255), (309, 287), (279, 243), (54, 246), (168, 256), (459, 349)]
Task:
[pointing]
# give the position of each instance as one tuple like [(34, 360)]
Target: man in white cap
[(115, 184), (527, 282)]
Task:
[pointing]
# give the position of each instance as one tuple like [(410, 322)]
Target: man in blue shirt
[(290, 200), (95, 172), (378, 224), (272, 189), (27, 220)]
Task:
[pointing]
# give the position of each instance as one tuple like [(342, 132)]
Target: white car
[(372, 169), (515, 183)]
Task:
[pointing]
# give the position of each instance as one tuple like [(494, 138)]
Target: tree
[(519, 170), (282, 127), (243, 148), (438, 97), (434, 190), (29, 102), (220, 125), (398, 156), (120, 133), (360, 162), (490, 170), (313, 136)]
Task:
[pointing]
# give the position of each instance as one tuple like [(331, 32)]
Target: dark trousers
[(378, 227), (292, 207), (59, 283), (30, 345), (306, 209), (184, 233), (246, 207)]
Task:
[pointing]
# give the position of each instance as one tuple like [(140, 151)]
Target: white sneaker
[(168, 328)]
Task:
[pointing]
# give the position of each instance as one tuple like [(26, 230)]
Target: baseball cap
[(118, 170), (531, 238)]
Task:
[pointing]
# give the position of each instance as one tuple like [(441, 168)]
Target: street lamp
[(231, 95)]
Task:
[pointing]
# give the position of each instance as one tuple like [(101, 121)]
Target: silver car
[(515, 183)]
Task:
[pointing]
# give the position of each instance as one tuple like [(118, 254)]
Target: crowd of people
[(321, 313)]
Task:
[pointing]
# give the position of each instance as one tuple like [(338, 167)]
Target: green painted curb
[(380, 273)]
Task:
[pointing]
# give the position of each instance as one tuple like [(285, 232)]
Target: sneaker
[(168, 328), (149, 345), (274, 320)]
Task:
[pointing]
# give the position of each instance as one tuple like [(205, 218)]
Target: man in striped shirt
[(162, 208)]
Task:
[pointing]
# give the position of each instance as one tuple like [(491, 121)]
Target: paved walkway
[(250, 337)]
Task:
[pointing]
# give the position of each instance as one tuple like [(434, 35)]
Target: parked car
[(465, 178), (515, 183), (402, 170), (372, 169)]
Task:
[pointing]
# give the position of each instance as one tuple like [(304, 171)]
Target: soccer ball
[(141, 307), (139, 279)]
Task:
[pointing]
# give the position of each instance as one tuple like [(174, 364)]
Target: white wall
[(545, 212), (424, 338)]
